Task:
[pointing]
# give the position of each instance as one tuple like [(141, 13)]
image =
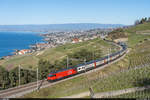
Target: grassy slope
[(138, 94), (54, 54), (138, 55), (135, 38)]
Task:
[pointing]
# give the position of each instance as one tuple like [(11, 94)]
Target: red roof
[(76, 40)]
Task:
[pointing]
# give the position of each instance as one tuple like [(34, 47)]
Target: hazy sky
[(14, 12)]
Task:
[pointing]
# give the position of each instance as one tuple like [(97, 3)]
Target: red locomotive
[(61, 74)]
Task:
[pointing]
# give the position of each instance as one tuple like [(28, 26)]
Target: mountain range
[(57, 27)]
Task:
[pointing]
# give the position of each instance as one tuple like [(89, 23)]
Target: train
[(80, 68)]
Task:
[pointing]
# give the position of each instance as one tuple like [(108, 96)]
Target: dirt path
[(119, 92)]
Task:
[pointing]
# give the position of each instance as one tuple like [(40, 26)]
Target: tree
[(97, 54), (143, 20), (137, 22), (32, 76), (44, 68), (82, 54), (148, 19), (13, 76), (4, 78), (24, 76)]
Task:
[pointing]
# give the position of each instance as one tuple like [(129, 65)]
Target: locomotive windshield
[(51, 75)]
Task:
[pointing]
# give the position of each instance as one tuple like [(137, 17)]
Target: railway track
[(27, 88)]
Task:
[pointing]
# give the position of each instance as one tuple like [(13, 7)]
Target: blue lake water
[(9, 41)]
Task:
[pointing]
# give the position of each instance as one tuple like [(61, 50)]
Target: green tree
[(4, 78), (143, 20), (31, 76), (80, 56), (148, 19), (136, 22), (13, 76), (24, 76), (44, 68)]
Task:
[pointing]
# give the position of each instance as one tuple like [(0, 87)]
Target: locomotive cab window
[(51, 75)]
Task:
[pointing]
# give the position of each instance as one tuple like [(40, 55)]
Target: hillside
[(135, 34), (49, 60), (54, 54), (121, 73)]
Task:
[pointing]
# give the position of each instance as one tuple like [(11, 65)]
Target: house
[(41, 46), (80, 40), (94, 36), (24, 51), (75, 40), (85, 39)]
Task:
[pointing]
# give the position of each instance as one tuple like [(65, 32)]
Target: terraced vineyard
[(138, 94), (135, 74)]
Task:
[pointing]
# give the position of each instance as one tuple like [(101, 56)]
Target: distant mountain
[(57, 27)]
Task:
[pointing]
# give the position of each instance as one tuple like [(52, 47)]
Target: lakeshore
[(39, 42), (11, 41), (55, 44)]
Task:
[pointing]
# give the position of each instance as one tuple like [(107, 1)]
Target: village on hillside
[(53, 39)]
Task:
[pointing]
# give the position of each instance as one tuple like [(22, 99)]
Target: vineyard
[(138, 94), (136, 74), (132, 71)]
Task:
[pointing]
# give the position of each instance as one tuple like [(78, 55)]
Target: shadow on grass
[(142, 82)]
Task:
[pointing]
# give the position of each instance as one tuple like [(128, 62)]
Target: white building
[(24, 51)]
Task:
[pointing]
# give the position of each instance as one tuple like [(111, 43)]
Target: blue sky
[(16, 12)]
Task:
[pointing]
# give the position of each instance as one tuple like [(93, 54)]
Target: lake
[(9, 41)]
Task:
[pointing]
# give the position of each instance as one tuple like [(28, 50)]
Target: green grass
[(133, 38), (66, 88), (140, 27), (131, 33), (123, 80)]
